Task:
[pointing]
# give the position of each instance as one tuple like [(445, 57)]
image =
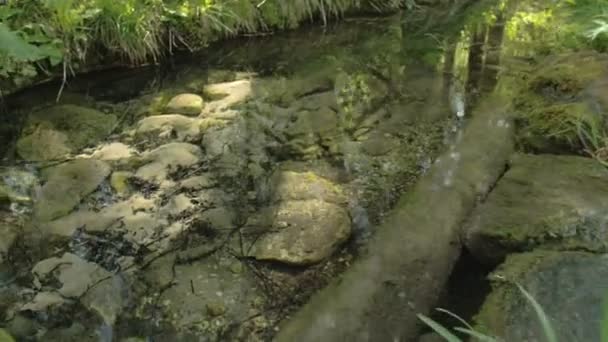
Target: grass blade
[(456, 317), (477, 335), (542, 316), (438, 328)]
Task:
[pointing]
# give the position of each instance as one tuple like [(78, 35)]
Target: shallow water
[(216, 220)]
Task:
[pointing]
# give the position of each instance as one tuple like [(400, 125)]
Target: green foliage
[(547, 328), (38, 35), (594, 137)]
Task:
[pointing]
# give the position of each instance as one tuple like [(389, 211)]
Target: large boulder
[(66, 185), (302, 232), (53, 132), (555, 201), (571, 288)]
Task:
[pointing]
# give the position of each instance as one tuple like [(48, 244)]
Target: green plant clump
[(39, 37)]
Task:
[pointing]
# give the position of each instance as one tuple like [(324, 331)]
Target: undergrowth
[(37, 36)]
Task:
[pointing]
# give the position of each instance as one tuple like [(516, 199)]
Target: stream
[(222, 196)]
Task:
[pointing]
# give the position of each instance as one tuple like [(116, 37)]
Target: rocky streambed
[(314, 186), (213, 207)]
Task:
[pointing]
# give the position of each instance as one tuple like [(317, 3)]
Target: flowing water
[(207, 200)]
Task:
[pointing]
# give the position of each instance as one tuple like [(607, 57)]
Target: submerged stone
[(571, 288), (95, 287), (53, 132), (205, 290), (66, 185), (303, 232), (544, 200), (226, 95), (170, 126), (167, 158), (186, 104)]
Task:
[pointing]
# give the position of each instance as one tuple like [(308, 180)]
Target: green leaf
[(15, 46), (604, 322), (438, 328)]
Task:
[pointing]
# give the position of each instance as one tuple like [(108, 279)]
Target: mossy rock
[(571, 287), (553, 201), (66, 185), (562, 92), (53, 132), (565, 76)]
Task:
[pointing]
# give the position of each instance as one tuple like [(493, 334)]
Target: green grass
[(467, 329), (38, 35)]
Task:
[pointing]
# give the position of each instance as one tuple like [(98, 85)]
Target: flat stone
[(79, 279), (167, 158), (226, 95), (169, 126), (186, 104), (292, 185), (136, 216), (302, 232), (113, 151), (543, 200), (571, 288), (66, 185)]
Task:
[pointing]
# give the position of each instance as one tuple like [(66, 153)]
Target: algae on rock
[(571, 288), (544, 200), (66, 185), (53, 132)]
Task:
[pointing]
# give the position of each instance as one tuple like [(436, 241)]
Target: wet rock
[(113, 152), (44, 301), (302, 232), (291, 185), (186, 104), (53, 132), (167, 158), (66, 185), (207, 288), (168, 127), (226, 95), (570, 287), (546, 200), (177, 205), (95, 287), (221, 218), (136, 216), (203, 181)]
